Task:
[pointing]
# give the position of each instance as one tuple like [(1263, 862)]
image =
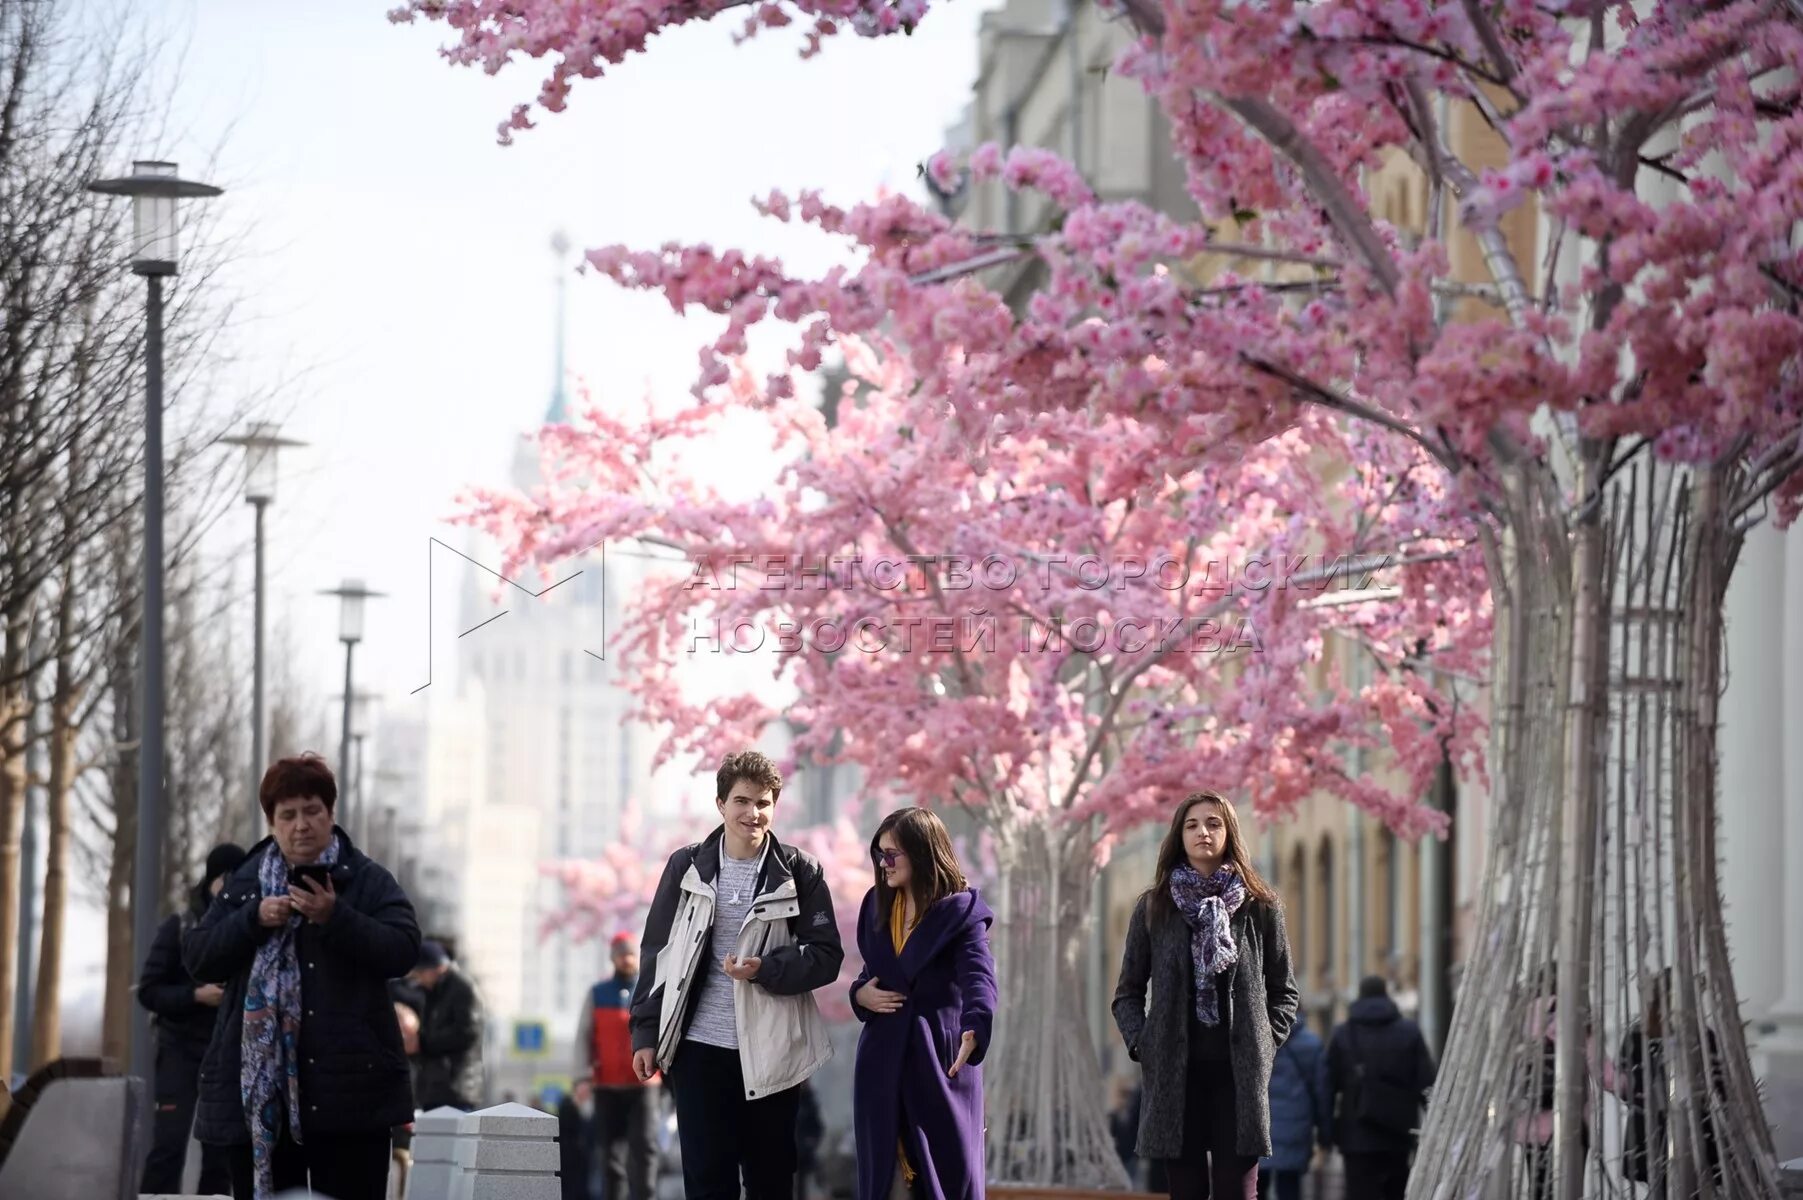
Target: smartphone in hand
[(317, 875)]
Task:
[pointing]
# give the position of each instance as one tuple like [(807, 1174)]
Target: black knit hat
[(222, 860)]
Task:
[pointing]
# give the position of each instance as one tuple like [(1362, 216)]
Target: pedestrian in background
[(625, 1107), (1205, 997), (1535, 1087), (741, 932), (1643, 1080), (449, 1042), (1123, 1126), (1379, 1070), (927, 998), (575, 1140), (186, 1010), (305, 1075), (1300, 1114)]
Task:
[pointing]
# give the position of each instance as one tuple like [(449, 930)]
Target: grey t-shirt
[(734, 890)]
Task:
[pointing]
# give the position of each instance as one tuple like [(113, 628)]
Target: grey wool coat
[(1152, 1003)]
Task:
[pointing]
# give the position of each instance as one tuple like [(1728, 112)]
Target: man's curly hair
[(752, 767)]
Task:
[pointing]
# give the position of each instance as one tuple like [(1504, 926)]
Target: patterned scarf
[(269, 1049), (1208, 905)]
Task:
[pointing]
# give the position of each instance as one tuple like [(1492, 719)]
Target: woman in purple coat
[(927, 998)]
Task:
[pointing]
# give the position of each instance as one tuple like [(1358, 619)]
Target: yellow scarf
[(898, 934)]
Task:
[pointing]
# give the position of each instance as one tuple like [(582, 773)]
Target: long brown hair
[(1171, 855), (935, 871)]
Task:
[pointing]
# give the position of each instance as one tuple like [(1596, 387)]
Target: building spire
[(559, 412)]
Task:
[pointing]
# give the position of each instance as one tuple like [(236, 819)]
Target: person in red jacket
[(625, 1109)]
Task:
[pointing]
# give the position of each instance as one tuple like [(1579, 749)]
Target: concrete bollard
[(81, 1140), (434, 1172), (508, 1152)]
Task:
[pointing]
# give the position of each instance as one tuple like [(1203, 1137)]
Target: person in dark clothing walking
[(575, 1140), (1205, 997), (1123, 1125), (1379, 1070), (1648, 1059), (186, 1009), (625, 1108), (305, 1076), (1299, 1114), (449, 1058)]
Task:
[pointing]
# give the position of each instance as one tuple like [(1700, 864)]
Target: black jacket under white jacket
[(791, 928)]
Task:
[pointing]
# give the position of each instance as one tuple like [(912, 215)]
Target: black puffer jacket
[(450, 1044), (353, 1072), (166, 989), (1386, 1045)]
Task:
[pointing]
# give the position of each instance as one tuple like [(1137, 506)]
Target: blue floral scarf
[(1208, 905), (269, 1077)]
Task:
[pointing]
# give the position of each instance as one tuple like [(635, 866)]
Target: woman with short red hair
[(305, 1074)]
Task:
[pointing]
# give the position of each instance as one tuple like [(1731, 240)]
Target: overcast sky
[(397, 274)]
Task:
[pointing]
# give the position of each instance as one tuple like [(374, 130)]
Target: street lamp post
[(351, 595), (260, 443), (362, 705), (154, 188)]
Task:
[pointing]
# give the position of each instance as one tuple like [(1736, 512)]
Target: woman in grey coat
[(1205, 998)]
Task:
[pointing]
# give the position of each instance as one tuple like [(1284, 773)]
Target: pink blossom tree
[(1609, 411), (1042, 633)]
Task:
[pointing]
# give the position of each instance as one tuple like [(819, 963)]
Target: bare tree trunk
[(1584, 727), (15, 712), (1048, 1123), (115, 1036), (1601, 904), (65, 703)]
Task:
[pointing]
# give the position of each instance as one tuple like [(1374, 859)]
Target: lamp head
[(154, 188)]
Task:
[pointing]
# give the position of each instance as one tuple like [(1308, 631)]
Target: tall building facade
[(522, 757)]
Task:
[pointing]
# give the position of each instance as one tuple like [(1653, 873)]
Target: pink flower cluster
[(1007, 694)]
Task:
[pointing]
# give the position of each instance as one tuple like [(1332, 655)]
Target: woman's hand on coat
[(967, 1046), (273, 911), (742, 969), (875, 999)]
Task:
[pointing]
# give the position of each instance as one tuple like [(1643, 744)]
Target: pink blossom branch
[(1118, 695), (1339, 402), (1490, 40), (1775, 478), (970, 266), (1343, 210)]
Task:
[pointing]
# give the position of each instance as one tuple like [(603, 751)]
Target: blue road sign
[(529, 1039)]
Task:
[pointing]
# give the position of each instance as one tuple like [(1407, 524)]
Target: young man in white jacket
[(740, 934)]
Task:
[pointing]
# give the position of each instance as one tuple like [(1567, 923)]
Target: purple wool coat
[(900, 1086)]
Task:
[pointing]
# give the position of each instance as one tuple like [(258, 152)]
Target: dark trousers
[(1287, 1184), (1381, 1176), (724, 1135), (626, 1137), (1210, 1168), (177, 1092), (350, 1166)]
